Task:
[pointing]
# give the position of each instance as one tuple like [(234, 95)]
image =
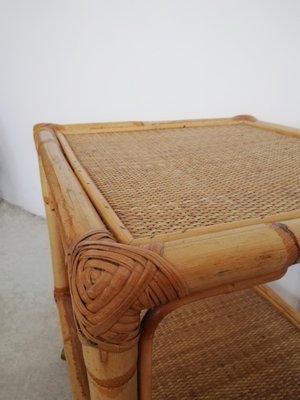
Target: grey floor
[(30, 342)]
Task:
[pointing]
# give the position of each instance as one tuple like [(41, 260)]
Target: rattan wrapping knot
[(110, 283)]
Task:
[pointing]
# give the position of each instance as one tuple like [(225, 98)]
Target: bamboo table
[(150, 216)]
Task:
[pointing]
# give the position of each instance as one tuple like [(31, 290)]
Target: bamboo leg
[(72, 345), (112, 376)]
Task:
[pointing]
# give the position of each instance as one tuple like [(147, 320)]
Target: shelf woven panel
[(229, 347), (171, 180)]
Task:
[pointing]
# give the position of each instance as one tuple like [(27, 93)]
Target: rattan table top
[(174, 180)]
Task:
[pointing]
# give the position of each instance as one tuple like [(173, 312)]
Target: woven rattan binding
[(111, 283)]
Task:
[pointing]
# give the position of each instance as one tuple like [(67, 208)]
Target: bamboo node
[(244, 117), (290, 241), (61, 292), (115, 382)]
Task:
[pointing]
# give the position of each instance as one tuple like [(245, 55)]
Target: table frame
[(179, 267)]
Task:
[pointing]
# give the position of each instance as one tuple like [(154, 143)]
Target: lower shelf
[(235, 346)]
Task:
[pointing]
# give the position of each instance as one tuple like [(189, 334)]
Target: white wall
[(93, 60)]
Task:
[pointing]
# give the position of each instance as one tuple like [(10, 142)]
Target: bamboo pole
[(75, 217), (72, 129), (72, 346), (281, 129), (279, 304), (111, 375), (209, 260), (57, 252), (75, 213)]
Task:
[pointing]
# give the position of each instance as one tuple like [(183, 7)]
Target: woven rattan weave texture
[(170, 180), (229, 347)]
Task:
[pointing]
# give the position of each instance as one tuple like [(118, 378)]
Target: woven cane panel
[(230, 347), (172, 180)]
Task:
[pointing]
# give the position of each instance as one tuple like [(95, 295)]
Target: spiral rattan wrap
[(111, 283), (172, 180), (228, 347)]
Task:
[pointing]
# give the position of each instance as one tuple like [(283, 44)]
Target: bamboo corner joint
[(111, 283)]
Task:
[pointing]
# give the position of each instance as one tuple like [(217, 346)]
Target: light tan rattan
[(152, 216), (174, 180), (229, 347)]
